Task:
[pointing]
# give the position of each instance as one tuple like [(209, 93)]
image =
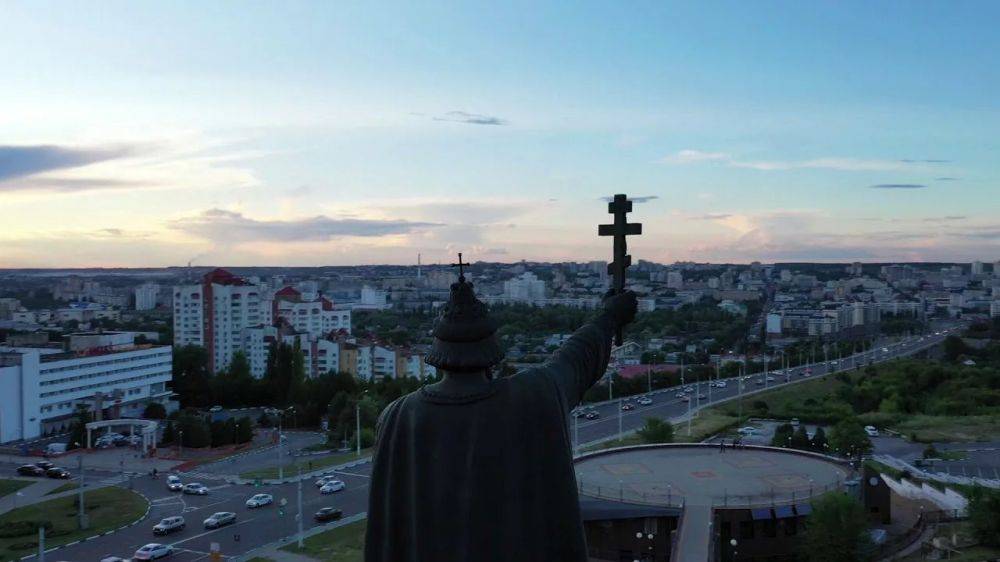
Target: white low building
[(42, 386)]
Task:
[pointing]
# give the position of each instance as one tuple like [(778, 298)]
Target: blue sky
[(318, 133)]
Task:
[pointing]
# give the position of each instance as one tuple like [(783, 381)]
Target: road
[(667, 405), (262, 526)]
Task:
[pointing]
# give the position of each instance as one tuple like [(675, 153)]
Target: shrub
[(12, 529)]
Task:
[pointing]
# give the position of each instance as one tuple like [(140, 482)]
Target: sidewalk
[(30, 494), (273, 551)]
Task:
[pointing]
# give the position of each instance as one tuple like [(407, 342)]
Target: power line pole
[(41, 543), (81, 514), (300, 506), (281, 468), (620, 415)]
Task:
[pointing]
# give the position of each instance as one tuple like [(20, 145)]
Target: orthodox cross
[(619, 206), (461, 268)]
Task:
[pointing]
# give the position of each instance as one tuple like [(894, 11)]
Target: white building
[(372, 299), (145, 296), (215, 313), (675, 280), (526, 288), (317, 317), (42, 387)]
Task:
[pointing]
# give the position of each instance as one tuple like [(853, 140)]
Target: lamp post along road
[(299, 491), (81, 515)]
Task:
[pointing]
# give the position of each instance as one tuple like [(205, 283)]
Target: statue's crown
[(464, 333)]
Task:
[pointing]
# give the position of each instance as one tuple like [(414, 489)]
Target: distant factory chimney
[(418, 266)]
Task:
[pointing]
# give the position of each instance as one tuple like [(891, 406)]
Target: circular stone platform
[(702, 475)]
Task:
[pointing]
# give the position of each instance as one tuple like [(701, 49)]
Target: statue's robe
[(487, 477)]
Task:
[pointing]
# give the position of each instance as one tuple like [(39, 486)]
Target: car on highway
[(770, 379), (169, 525), (174, 483), (685, 398), (44, 464), (113, 558), (679, 395), (628, 406), (748, 430), (215, 409), (720, 384), (702, 397), (220, 519), (593, 415), (195, 489), (871, 430), (324, 480), (332, 486), (30, 470), (328, 514), (885, 350), (57, 472), (152, 551), (645, 401), (759, 382), (808, 371), (688, 389), (578, 413), (260, 500)]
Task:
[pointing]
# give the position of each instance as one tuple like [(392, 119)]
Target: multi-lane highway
[(255, 527), (668, 405)]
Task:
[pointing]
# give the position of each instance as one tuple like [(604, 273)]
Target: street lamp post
[(357, 413), (300, 506), (81, 514)]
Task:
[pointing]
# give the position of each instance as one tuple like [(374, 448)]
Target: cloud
[(711, 217), (924, 161), (946, 178), (21, 161), (470, 118), (946, 218), (690, 156), (898, 186), (69, 185), (460, 212), (639, 199), (228, 226)]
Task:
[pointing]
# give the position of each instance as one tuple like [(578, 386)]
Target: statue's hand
[(621, 307)]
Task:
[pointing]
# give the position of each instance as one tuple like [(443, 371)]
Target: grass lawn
[(786, 401), (950, 428), (343, 544), (8, 486), (260, 559), (307, 463), (64, 488), (108, 508), (965, 554)]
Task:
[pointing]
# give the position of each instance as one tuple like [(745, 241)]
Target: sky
[(139, 134)]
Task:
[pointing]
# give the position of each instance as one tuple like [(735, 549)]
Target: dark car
[(30, 470), (45, 465), (593, 415), (328, 514), (628, 406), (57, 472)]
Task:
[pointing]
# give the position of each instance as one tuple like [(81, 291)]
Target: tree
[(656, 431), (984, 515), (848, 438), (154, 411), (196, 432), (800, 439), (819, 442), (190, 375), (244, 430), (78, 431), (836, 531), (782, 435), (169, 434)]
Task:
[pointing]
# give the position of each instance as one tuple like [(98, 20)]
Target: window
[(746, 529)]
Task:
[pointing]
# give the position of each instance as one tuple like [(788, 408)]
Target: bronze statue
[(477, 468)]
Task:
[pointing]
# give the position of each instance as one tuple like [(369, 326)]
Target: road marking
[(210, 531), (352, 474)]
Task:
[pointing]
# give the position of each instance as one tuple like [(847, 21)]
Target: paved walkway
[(30, 494), (695, 533)]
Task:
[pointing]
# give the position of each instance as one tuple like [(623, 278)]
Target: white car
[(195, 489), (770, 379), (747, 430), (259, 500), (871, 430), (174, 483), (645, 401), (152, 551), (324, 480), (220, 519), (721, 384), (112, 558), (332, 486)]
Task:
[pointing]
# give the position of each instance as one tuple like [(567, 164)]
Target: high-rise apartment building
[(145, 296)]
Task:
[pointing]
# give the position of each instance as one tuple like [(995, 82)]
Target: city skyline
[(309, 134)]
